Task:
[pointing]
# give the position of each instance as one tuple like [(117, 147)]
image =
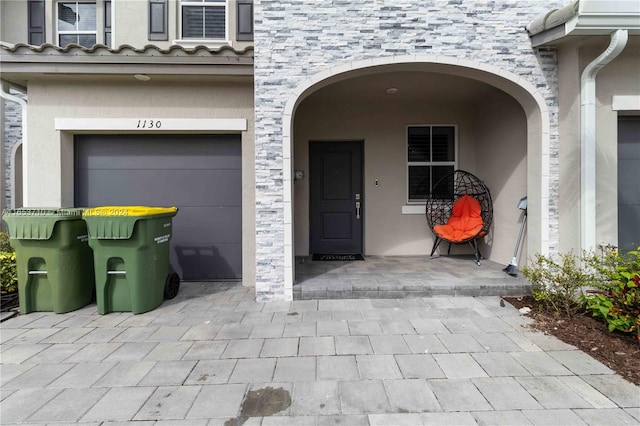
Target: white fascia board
[(153, 125)]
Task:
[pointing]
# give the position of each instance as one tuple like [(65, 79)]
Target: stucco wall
[(620, 77), (13, 21), (297, 40), (51, 162)]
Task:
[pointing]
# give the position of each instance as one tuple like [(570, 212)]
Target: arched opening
[(501, 134)]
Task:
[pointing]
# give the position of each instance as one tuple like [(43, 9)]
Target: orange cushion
[(465, 221)]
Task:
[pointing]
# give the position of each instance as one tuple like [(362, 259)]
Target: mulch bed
[(618, 351)]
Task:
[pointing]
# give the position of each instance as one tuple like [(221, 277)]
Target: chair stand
[(473, 243)]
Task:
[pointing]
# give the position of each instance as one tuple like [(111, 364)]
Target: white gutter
[(4, 93), (588, 138)]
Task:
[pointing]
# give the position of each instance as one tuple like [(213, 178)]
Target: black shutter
[(36, 22), (244, 20), (107, 22), (158, 20)]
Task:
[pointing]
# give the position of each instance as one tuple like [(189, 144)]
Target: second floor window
[(204, 19), (76, 23)]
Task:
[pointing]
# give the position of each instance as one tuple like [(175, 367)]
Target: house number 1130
[(149, 124)]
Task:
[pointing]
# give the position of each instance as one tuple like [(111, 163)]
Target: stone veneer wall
[(12, 135), (295, 39)]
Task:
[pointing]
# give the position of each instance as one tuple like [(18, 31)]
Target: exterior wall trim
[(155, 125), (534, 102), (625, 103)]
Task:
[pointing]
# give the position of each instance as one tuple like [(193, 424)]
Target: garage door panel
[(158, 152), (207, 261), (223, 225), (183, 187), (201, 175)]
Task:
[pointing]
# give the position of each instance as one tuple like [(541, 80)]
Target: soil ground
[(618, 351)]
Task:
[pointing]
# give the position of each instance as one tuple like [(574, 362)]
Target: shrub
[(8, 273), (5, 245), (558, 285), (617, 301)]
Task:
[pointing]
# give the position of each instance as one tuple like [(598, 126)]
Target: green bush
[(5, 245), (8, 273), (617, 301), (558, 285)]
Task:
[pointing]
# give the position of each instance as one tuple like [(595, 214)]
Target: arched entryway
[(500, 126)]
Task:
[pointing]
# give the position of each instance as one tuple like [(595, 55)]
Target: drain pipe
[(588, 138), (4, 93)]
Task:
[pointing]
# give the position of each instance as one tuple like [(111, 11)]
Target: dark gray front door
[(628, 183), (201, 175), (336, 199)]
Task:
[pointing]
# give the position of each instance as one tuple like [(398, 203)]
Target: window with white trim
[(203, 19), (77, 23), (431, 155)]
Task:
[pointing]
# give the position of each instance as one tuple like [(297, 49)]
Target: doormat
[(336, 257)]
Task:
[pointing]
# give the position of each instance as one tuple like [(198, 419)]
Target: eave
[(22, 62)]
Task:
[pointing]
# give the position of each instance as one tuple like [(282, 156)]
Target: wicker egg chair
[(459, 210)]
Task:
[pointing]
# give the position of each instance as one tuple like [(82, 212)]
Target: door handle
[(357, 209)]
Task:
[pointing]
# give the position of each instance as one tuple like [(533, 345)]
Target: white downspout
[(4, 92), (588, 138)]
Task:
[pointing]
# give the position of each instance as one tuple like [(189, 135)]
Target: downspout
[(4, 93), (588, 138)]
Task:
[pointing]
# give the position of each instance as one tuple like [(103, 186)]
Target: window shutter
[(244, 20), (158, 20), (36, 22), (107, 22)]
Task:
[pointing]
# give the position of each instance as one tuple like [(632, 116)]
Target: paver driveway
[(213, 356)]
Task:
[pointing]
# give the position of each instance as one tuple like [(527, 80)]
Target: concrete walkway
[(213, 356)]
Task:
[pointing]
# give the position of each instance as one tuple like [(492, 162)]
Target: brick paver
[(198, 358)]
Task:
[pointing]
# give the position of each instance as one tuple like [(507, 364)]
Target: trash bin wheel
[(171, 286)]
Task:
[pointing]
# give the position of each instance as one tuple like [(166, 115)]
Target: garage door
[(201, 175), (628, 185)]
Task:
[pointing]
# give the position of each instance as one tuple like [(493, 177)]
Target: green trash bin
[(131, 257), (54, 260)]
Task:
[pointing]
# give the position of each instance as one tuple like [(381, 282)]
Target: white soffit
[(145, 124)]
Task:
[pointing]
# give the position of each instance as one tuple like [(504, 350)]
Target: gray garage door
[(628, 183), (201, 175)]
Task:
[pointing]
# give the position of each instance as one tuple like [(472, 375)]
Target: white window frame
[(207, 42), (79, 32), (409, 164)]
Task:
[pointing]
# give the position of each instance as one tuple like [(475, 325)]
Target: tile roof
[(123, 50)]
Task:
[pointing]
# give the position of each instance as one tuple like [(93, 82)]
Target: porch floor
[(398, 277)]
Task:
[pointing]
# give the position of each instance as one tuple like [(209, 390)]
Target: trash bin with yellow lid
[(53, 258), (131, 257)]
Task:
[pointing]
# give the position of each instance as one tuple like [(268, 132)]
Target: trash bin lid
[(118, 222), (37, 223), (129, 211)]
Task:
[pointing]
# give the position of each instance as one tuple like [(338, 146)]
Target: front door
[(336, 199)]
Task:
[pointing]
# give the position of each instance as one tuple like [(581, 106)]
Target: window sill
[(413, 209), (212, 44)]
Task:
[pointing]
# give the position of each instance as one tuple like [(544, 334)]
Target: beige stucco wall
[(51, 163), (620, 77), (13, 21), (492, 143), (500, 126)]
